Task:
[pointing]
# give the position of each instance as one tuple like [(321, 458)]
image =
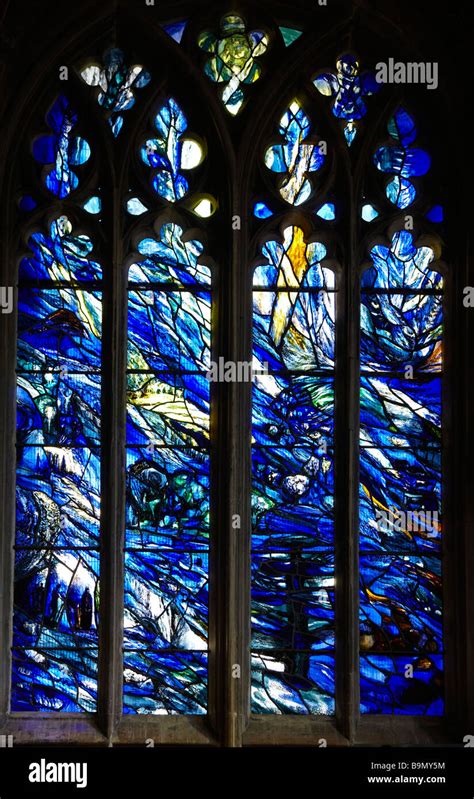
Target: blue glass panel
[(293, 263), (400, 604), (60, 255), (386, 530), (293, 683), (401, 192), (169, 330), (350, 132), (262, 211), (59, 329), (167, 683), (58, 497), (386, 689), (56, 599), (401, 330), (402, 265), (168, 478), (54, 680), (116, 125), (285, 528), (147, 533), (168, 259), (288, 407), (293, 601), (402, 127), (58, 409), (399, 480), (168, 489), (294, 331), (166, 409), (166, 600), (400, 412), (58, 477), (400, 474), (404, 163), (292, 507)]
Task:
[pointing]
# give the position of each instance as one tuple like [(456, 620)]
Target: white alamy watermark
[(422, 72), (6, 299), (44, 772), (223, 371), (412, 521)]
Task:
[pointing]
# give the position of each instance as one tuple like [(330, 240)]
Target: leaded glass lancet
[(293, 479), (400, 492), (168, 474), (168, 336), (55, 629)]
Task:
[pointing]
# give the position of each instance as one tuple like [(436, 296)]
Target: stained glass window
[(400, 471), (293, 479), (168, 474), (174, 644), (58, 488)]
